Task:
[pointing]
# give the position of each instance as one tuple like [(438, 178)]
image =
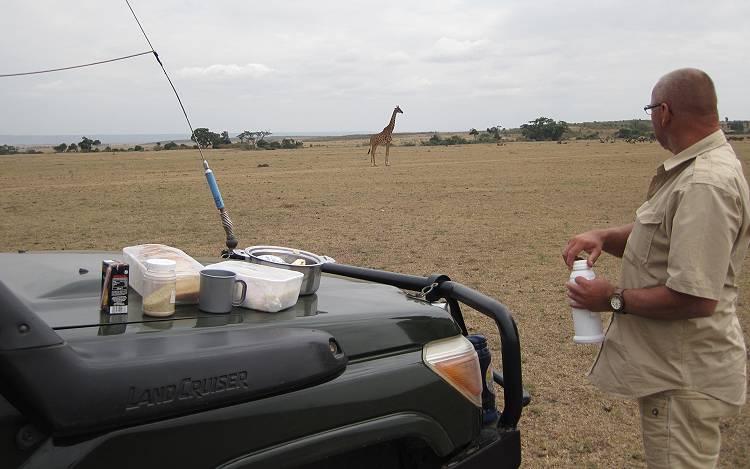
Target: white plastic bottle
[(587, 325), (159, 287)]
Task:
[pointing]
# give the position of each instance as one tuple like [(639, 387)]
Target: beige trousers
[(681, 429)]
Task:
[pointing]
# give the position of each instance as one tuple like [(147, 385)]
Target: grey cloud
[(395, 58), (447, 49), (225, 71)]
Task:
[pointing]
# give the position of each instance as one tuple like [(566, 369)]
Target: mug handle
[(244, 293)]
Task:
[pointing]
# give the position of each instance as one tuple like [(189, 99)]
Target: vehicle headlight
[(455, 360)]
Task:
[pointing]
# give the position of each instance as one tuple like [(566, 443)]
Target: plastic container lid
[(160, 265), (581, 265)]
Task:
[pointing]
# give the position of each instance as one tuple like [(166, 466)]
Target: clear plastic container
[(187, 269), (159, 287), (269, 289)]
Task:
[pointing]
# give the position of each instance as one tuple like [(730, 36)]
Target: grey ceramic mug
[(217, 291)]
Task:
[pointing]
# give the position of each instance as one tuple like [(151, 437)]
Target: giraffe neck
[(392, 123)]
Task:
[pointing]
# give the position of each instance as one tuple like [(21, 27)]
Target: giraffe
[(384, 137)]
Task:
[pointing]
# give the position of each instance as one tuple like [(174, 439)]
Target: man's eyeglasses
[(649, 107)]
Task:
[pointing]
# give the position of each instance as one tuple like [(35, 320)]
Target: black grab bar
[(440, 286)]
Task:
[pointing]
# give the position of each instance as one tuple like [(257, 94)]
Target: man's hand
[(590, 294), (611, 240), (591, 241)]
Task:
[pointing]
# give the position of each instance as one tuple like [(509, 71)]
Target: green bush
[(8, 150), (626, 133), (86, 144), (456, 140), (486, 137), (290, 143), (268, 145), (205, 138), (544, 128), (637, 128), (438, 140)]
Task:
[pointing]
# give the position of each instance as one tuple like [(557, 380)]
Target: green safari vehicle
[(373, 370)]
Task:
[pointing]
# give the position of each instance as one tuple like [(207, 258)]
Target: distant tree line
[(540, 129), (117, 150), (249, 140), (11, 150), (493, 134), (637, 128), (86, 145), (436, 139), (202, 136), (173, 146)]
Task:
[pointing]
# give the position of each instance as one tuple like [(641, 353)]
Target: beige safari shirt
[(690, 235)]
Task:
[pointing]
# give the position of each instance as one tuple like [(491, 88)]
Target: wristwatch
[(617, 301)]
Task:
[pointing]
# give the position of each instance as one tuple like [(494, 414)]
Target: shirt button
[(655, 412)]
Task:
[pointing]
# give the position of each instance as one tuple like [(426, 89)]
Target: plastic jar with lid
[(159, 287)]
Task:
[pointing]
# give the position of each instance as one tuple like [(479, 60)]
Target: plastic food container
[(159, 282), (187, 269), (269, 289), (285, 258)]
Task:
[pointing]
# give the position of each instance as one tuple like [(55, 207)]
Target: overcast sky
[(342, 66)]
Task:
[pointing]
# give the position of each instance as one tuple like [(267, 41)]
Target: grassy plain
[(493, 217)]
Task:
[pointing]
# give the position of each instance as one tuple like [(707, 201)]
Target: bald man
[(674, 342)]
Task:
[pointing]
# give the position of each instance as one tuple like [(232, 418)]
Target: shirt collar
[(711, 141)]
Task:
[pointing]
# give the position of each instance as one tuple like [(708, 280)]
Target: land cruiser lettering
[(188, 389)]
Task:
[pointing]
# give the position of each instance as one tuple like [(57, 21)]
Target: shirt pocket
[(648, 219)]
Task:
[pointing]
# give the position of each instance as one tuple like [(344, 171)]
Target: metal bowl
[(311, 270)]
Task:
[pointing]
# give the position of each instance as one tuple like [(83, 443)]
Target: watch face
[(616, 303)]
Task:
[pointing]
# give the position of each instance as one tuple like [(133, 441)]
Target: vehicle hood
[(367, 319)]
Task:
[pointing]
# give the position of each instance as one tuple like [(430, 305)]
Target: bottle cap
[(160, 265), (582, 264)]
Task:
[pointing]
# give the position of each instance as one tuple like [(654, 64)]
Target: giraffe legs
[(387, 149), (372, 154)]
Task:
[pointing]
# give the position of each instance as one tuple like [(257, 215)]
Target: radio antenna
[(210, 178)]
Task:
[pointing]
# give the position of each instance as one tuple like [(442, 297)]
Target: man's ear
[(666, 115)]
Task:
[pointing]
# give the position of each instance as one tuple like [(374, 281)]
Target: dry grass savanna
[(493, 217)]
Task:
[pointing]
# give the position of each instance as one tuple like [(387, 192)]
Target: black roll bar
[(442, 287)]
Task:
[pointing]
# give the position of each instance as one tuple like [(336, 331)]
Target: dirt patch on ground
[(492, 217)]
